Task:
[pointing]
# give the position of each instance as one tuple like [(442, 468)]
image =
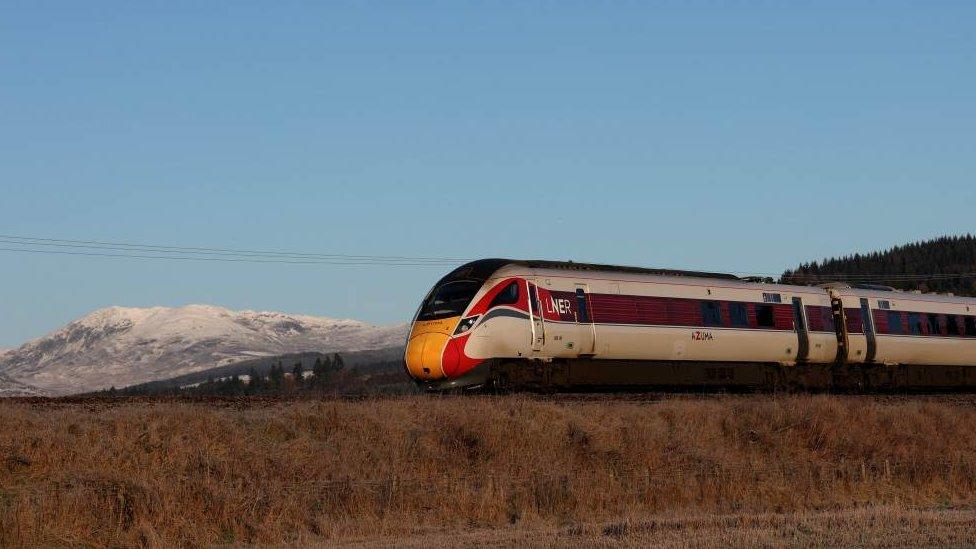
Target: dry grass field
[(739, 470)]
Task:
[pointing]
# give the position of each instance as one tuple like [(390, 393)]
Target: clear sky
[(745, 136)]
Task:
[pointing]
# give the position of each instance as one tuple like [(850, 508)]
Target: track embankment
[(382, 470)]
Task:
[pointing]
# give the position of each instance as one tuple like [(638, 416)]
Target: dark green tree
[(275, 377), (318, 371), (298, 374), (255, 383)]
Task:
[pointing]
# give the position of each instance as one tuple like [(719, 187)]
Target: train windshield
[(449, 299)]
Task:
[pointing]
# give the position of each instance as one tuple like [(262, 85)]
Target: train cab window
[(952, 325), (508, 296), (765, 317), (934, 328), (450, 299), (895, 324), (711, 313), (915, 323), (970, 325), (739, 314)]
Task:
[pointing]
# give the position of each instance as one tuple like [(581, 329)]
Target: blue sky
[(741, 136)]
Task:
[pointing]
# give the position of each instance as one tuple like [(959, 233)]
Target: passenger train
[(501, 324)]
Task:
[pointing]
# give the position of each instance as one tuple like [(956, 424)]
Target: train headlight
[(466, 324)]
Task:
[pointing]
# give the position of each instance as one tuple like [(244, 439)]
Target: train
[(503, 325)]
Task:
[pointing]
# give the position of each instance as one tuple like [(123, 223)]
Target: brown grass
[(413, 468), (878, 526)]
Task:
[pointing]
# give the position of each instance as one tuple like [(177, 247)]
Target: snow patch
[(121, 346)]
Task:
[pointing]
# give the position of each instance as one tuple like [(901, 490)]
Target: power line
[(218, 252), (224, 259), (139, 251)]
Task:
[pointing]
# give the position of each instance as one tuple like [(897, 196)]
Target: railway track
[(94, 403)]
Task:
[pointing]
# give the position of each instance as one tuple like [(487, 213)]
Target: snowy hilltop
[(121, 346)]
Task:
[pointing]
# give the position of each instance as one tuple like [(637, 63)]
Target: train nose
[(425, 348)]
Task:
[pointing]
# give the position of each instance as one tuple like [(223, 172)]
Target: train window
[(952, 325), (508, 296), (884, 304), (828, 319), (895, 324), (450, 299), (581, 308), (915, 323), (739, 314), (772, 298), (711, 313), (934, 328), (970, 324), (764, 316)]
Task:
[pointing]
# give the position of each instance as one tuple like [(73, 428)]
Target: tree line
[(325, 376), (945, 264)]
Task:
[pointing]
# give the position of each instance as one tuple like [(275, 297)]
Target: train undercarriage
[(581, 375)]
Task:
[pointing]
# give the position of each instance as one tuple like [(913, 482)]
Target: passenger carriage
[(558, 325)]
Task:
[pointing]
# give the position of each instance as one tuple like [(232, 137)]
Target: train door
[(584, 321), (802, 334), (537, 321), (867, 321), (840, 326), (852, 342)]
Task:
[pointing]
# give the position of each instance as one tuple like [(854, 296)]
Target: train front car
[(435, 355)]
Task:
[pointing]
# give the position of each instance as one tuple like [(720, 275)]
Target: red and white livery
[(555, 325)]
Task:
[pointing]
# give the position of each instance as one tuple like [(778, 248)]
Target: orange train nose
[(425, 348)]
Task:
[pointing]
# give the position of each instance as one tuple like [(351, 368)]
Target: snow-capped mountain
[(121, 346)]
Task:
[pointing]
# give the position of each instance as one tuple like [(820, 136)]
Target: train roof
[(483, 268), (893, 294), (573, 266)]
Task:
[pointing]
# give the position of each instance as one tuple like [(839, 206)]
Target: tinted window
[(581, 308), (952, 325), (508, 296), (895, 324), (970, 323), (764, 316), (915, 323), (828, 319), (738, 314), (711, 313), (449, 300), (934, 328)]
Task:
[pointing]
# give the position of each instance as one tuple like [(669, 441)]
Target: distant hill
[(930, 266), (121, 346)]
